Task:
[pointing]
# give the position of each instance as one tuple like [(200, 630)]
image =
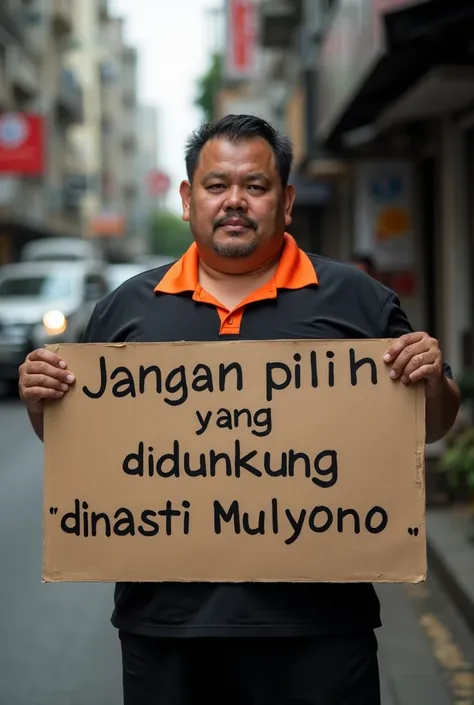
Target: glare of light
[(54, 322)]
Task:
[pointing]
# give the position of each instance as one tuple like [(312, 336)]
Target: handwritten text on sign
[(234, 461)]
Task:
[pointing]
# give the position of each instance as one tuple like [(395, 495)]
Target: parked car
[(119, 272), (64, 249), (154, 261), (44, 302)]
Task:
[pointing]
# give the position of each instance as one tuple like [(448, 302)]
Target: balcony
[(10, 23), (62, 16), (103, 7), (129, 99), (278, 20), (129, 190), (130, 55), (21, 71), (74, 189), (129, 143), (70, 97)]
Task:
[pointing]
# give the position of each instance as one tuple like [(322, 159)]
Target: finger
[(425, 372), (48, 370), (400, 344), (406, 355), (427, 358), (44, 382), (39, 393), (47, 356)]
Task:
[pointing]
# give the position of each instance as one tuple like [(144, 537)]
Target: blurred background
[(97, 98)]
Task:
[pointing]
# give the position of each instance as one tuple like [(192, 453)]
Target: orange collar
[(294, 271)]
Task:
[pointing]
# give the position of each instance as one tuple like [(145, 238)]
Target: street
[(58, 647)]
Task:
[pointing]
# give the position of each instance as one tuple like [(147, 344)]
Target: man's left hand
[(415, 357)]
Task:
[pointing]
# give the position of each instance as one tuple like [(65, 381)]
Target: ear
[(289, 200), (185, 193)]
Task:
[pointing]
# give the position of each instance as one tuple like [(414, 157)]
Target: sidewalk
[(451, 555), (408, 669), (410, 673)]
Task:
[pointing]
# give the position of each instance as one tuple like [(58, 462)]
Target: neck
[(266, 269), (232, 288)]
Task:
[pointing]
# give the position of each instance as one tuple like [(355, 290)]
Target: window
[(46, 288)]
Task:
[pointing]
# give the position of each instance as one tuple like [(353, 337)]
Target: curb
[(452, 586)]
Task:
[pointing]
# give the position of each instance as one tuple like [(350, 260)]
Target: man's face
[(236, 206)]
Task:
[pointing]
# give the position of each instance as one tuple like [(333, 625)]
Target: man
[(245, 278), (363, 262)]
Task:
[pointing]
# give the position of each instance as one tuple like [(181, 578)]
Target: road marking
[(451, 658)]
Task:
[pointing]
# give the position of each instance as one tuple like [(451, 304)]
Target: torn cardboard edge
[(223, 343)]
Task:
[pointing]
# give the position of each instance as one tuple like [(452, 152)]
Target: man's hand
[(43, 375), (415, 357)]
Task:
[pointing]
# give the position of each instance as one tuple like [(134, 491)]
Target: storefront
[(468, 337), (395, 77)]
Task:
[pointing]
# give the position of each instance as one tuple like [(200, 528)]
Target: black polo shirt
[(309, 297)]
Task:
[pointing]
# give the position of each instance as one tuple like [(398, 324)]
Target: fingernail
[(387, 357), (70, 378), (405, 380), (62, 364), (64, 387), (393, 374)]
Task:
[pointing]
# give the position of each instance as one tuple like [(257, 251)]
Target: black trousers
[(329, 670)]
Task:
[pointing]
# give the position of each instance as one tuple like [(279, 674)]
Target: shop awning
[(371, 59)]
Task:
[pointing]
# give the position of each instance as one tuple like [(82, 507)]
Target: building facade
[(68, 85), (147, 165), (394, 102), (40, 100), (119, 125)]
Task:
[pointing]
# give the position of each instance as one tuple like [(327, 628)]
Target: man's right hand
[(43, 375)]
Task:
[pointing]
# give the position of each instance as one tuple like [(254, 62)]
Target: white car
[(44, 302), (64, 249), (121, 271)]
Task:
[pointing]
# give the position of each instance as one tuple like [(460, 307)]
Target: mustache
[(230, 216)]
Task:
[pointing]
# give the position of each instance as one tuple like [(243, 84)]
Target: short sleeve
[(93, 332), (394, 323)]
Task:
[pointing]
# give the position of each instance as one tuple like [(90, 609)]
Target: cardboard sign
[(234, 461)]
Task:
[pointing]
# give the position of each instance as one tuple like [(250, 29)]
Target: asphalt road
[(57, 646)]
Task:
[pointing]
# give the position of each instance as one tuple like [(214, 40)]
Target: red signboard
[(158, 183), (242, 39), (22, 144)]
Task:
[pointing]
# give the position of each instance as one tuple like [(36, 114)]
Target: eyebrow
[(222, 176), (256, 177), (216, 175)]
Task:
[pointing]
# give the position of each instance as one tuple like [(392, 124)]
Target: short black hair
[(235, 128)]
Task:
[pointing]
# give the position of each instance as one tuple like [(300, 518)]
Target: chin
[(235, 250)]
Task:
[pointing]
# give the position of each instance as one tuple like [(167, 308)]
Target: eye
[(216, 187), (255, 187)]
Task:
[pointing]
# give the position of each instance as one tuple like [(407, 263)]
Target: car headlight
[(54, 322)]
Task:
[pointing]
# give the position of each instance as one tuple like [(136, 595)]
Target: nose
[(236, 199)]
